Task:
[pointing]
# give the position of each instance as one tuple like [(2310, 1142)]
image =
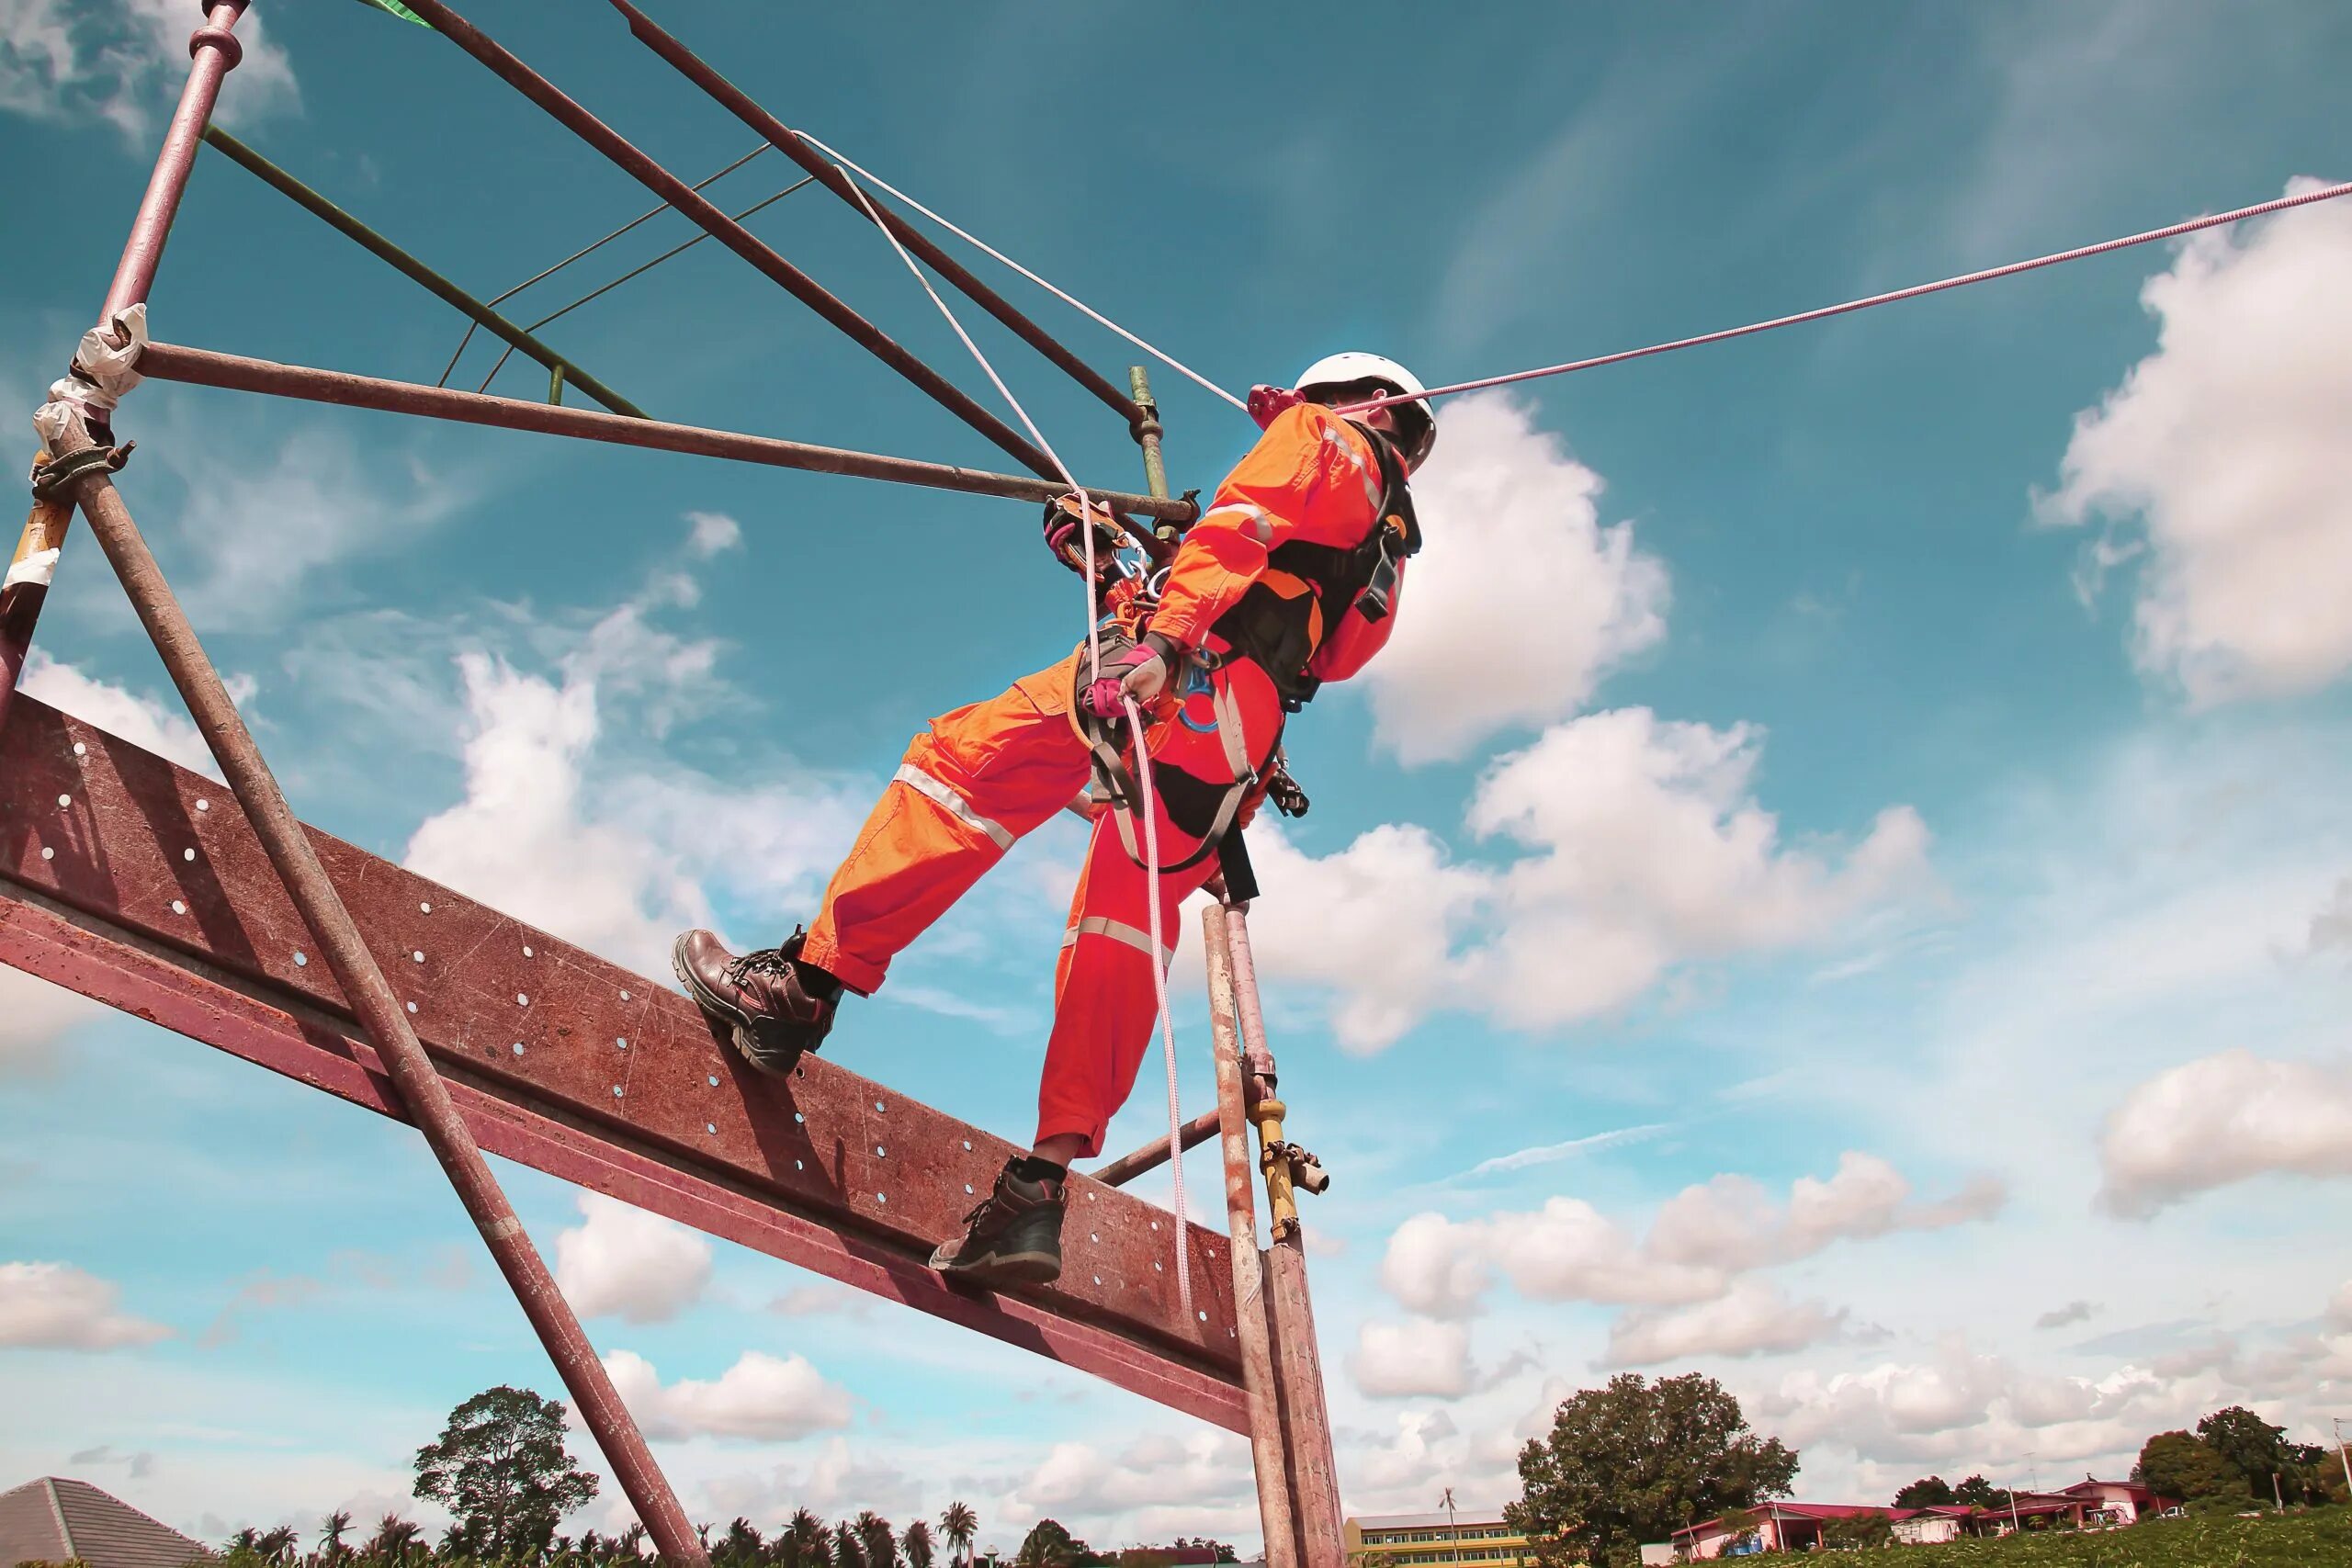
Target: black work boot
[(773, 1009), (1013, 1238)]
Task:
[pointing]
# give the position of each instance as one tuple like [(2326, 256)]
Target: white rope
[(1066, 298), (1143, 757)]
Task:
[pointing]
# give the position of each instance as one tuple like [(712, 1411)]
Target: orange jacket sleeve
[(1309, 477), (1355, 640)]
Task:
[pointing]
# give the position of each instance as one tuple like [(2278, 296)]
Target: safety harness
[(1278, 631)]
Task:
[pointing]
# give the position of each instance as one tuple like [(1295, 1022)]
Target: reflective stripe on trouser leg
[(1104, 1002), (973, 781)]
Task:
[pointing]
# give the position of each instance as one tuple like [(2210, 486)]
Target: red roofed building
[(2090, 1504), (56, 1520)]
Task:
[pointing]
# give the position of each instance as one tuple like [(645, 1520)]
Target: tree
[(877, 1541), (1049, 1544), (846, 1553), (1979, 1493), (804, 1541), (2251, 1446), (740, 1547), (2183, 1467), (915, 1545), (501, 1467), (1928, 1492), (394, 1542), (957, 1526), (277, 1544), (1636, 1461), (331, 1529)]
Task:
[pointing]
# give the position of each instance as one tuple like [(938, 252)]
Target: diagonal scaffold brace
[(215, 51)]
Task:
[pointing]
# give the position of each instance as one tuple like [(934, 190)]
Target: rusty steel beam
[(295, 861), (214, 52), (1153, 1154), (502, 65), (616, 1058), (203, 367), (1276, 1516), (739, 104)]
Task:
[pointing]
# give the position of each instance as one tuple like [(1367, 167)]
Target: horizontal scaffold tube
[(203, 367)]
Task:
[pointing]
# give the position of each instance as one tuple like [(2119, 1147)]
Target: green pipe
[(415, 270)]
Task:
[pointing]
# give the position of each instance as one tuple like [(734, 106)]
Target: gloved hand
[(1267, 402), (1062, 524), (1140, 672)]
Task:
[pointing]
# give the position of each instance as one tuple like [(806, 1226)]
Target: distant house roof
[(1466, 1517), (54, 1520), (1815, 1512)]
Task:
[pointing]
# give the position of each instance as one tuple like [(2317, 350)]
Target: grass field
[(2321, 1537)]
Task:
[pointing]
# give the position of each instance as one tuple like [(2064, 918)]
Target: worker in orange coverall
[(1287, 580)]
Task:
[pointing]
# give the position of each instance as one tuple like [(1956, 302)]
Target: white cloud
[(64, 60), (621, 1261), (1647, 851), (1087, 1481), (1753, 1319), (55, 1306), (33, 1015), (2227, 444), (1651, 851), (1520, 601), (711, 533), (2223, 1118), (1422, 1356), (143, 721), (759, 1397), (1700, 1240)]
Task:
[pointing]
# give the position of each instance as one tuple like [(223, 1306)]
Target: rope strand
[(2172, 231)]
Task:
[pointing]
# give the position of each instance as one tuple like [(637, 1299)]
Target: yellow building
[(1393, 1541)]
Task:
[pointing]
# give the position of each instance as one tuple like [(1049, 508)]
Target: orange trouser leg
[(972, 782), (1104, 1003)]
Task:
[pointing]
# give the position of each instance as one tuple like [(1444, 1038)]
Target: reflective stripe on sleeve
[(1117, 930), (1255, 522), (954, 805)]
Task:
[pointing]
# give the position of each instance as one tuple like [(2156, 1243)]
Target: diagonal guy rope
[(1135, 719), (1070, 299), (2010, 269)]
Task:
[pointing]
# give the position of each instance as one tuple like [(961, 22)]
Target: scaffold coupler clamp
[(51, 479), (1306, 1172)]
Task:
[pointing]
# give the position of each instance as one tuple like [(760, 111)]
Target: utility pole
[(1453, 1525)]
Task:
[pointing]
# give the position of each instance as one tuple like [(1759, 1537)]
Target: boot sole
[(737, 1025), (1005, 1268)]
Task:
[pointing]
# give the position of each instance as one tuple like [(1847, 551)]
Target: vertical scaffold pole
[(1276, 1515), (214, 52), (1298, 1360), (422, 1093)]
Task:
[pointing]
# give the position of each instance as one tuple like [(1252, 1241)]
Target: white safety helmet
[(1350, 368)]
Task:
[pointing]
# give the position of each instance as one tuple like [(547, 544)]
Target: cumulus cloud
[(711, 533), (1419, 1356), (34, 1015), (143, 721), (760, 1397), (621, 1261), (69, 62), (1753, 1319), (1643, 849), (1520, 600), (1649, 850), (2227, 446), (2220, 1119), (55, 1306), (1089, 1481), (1698, 1243)]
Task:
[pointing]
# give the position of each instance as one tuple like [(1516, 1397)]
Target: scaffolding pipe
[(407, 266), (203, 367), (695, 69), (1153, 1154), (423, 1093), (1306, 1419), (678, 194), (1275, 1514), (214, 52)]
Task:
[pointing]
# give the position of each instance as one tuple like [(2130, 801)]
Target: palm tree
[(916, 1545), (846, 1553), (331, 1533), (741, 1547), (804, 1541), (877, 1542), (394, 1540), (277, 1545), (592, 1548), (246, 1539), (631, 1544), (457, 1542), (957, 1526)]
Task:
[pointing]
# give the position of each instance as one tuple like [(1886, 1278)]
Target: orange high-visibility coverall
[(980, 778)]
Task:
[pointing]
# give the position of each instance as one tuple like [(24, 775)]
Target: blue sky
[(1842, 866)]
